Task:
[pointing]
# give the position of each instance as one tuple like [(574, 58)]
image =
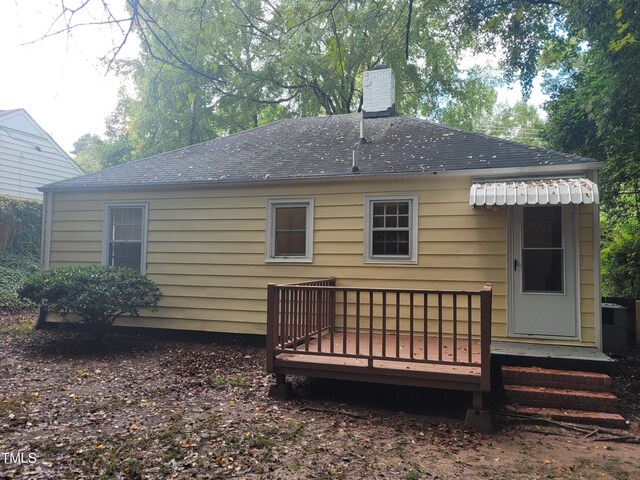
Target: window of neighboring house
[(391, 229), (289, 230), (125, 236)]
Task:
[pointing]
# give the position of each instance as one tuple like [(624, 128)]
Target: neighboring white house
[(29, 157)]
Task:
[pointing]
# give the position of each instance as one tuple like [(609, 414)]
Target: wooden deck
[(392, 368), (422, 338)]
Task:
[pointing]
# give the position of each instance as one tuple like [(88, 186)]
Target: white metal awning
[(550, 191)]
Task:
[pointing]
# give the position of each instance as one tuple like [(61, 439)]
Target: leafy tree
[(212, 68), (591, 49), (516, 30), (520, 122), (470, 107), (87, 152), (99, 294), (621, 260), (594, 108)]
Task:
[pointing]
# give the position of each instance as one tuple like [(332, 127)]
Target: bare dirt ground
[(126, 406)]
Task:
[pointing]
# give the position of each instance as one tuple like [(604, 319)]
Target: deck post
[(479, 420), (282, 390), (272, 324), (476, 417), (485, 337), (477, 400)]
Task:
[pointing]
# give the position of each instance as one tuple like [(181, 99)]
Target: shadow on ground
[(393, 398)]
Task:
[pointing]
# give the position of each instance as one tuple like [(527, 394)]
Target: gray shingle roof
[(323, 147)]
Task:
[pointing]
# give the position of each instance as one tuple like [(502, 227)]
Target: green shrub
[(20, 225), (15, 268), (98, 294), (621, 260)]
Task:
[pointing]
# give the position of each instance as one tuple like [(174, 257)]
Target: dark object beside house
[(614, 329)]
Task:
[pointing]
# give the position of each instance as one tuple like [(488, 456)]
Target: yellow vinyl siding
[(206, 247), (587, 287)]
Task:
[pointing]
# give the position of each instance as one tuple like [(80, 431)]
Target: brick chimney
[(379, 92)]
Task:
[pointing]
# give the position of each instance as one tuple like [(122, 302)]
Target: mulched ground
[(123, 406)]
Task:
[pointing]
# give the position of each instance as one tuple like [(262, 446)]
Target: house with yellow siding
[(372, 200)]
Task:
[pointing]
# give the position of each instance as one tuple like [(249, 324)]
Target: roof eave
[(475, 172)]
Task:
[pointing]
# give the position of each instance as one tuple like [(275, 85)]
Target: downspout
[(45, 250)]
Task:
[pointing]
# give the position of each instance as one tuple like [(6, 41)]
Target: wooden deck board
[(390, 352)]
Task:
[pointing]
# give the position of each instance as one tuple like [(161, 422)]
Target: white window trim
[(270, 241), (412, 258), (106, 228)]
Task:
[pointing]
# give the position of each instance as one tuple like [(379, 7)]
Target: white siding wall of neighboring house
[(29, 157)]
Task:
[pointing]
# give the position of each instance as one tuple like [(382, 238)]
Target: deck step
[(561, 398), (545, 377), (603, 419)]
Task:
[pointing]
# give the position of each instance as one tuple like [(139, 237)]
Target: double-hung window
[(289, 230), (125, 236), (391, 229)]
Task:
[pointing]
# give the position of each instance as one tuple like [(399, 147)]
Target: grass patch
[(120, 462), (20, 329), (236, 380), (13, 404), (413, 474), (175, 450)]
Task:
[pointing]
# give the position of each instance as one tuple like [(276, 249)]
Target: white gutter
[(576, 169)]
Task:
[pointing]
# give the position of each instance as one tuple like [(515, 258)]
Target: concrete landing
[(551, 356)]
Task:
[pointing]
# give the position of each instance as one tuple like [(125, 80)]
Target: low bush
[(15, 268), (98, 294), (621, 260)]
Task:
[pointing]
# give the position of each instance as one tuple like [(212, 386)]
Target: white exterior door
[(543, 294)]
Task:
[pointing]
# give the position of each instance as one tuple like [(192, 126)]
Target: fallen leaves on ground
[(134, 406)]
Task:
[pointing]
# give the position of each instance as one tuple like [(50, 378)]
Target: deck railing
[(403, 325)]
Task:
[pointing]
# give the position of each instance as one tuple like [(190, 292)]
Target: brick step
[(545, 377), (601, 419), (561, 398)]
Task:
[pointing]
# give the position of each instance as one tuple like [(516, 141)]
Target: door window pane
[(542, 271), (542, 227), (542, 250)]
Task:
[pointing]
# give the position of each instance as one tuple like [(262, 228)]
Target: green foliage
[(88, 151), (591, 54), (594, 109), (472, 105), (20, 232), (520, 122), (15, 268), (621, 260), (519, 29), (99, 294), (20, 225), (233, 65)]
